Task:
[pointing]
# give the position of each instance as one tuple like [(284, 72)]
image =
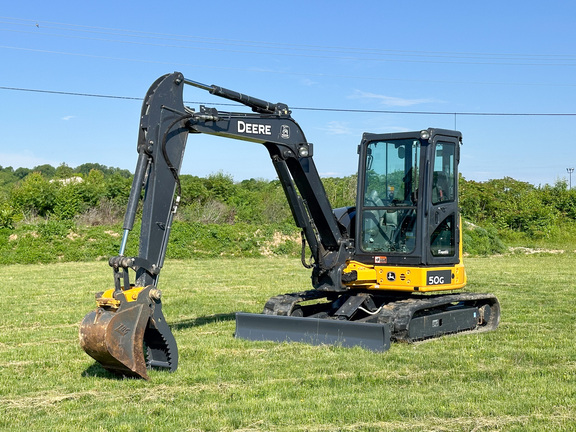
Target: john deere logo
[(285, 132), (391, 276)]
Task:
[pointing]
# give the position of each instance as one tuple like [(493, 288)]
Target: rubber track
[(399, 313)]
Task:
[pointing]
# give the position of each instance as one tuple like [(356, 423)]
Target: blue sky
[(466, 59)]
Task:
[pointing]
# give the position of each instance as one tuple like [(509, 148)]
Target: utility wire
[(281, 72), (391, 57), (348, 110), (166, 40), (142, 35), (70, 93)]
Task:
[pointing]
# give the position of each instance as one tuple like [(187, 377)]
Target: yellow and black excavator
[(382, 270)]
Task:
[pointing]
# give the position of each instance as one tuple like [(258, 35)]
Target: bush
[(117, 188), (7, 216), (481, 241), (35, 195), (54, 229), (68, 202)]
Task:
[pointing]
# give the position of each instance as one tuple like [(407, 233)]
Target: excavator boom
[(127, 333)]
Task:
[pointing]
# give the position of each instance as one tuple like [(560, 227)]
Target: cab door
[(443, 217)]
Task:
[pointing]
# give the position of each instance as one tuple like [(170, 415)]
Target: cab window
[(443, 181)]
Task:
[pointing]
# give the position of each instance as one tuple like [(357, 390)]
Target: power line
[(293, 73), (282, 48), (348, 110), (69, 93)]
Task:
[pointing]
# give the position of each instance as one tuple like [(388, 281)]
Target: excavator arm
[(127, 332)]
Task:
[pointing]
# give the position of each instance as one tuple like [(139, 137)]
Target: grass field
[(520, 378)]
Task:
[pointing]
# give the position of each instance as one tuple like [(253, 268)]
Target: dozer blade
[(130, 337), (314, 331)]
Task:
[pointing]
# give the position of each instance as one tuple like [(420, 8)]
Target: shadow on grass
[(200, 321), (96, 370)]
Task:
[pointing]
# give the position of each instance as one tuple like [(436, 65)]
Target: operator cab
[(407, 200)]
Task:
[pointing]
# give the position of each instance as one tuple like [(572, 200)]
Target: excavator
[(387, 269)]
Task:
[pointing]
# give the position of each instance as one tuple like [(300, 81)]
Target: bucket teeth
[(127, 340), (161, 348)]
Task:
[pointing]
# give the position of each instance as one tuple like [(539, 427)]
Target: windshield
[(392, 173), (390, 194)]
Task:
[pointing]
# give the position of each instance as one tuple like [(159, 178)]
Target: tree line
[(94, 194), (66, 193)]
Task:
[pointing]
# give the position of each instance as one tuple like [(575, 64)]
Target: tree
[(117, 188), (47, 170), (22, 172), (35, 195), (63, 172), (193, 189), (93, 188), (220, 186), (87, 167), (68, 201)]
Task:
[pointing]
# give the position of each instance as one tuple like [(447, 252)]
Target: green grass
[(521, 377)]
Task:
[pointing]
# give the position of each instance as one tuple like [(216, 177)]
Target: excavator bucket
[(115, 339), (127, 333)]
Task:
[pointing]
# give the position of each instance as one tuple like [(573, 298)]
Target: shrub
[(52, 229), (117, 188), (68, 202), (35, 195), (92, 189), (481, 241), (7, 215)]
